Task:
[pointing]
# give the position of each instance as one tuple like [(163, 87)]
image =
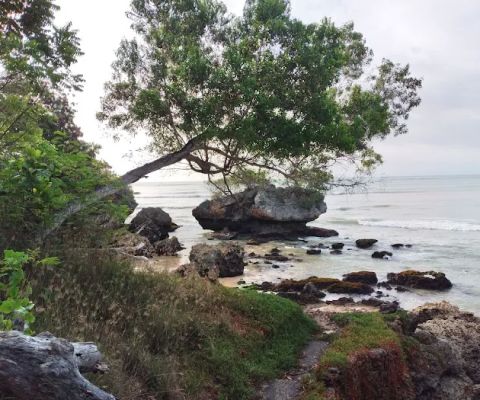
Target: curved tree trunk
[(44, 367), (130, 177)]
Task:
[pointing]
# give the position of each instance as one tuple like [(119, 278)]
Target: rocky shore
[(428, 353)]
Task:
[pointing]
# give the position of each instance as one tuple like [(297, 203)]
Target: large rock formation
[(266, 211), (153, 223)]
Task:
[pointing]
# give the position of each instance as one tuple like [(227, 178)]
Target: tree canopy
[(262, 95)]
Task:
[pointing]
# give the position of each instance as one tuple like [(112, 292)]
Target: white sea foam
[(444, 225)]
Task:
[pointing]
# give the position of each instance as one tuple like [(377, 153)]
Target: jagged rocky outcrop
[(444, 362), (215, 261), (153, 223), (265, 212)]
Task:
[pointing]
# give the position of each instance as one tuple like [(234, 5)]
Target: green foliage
[(43, 165), (263, 91), (15, 304), (164, 335)]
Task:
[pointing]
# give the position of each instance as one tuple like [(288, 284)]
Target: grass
[(360, 332), (166, 337)]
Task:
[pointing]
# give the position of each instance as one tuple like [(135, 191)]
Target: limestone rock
[(265, 212)]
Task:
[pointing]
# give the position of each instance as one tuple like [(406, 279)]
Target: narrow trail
[(290, 386)]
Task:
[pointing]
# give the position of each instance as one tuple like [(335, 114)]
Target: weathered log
[(45, 367)]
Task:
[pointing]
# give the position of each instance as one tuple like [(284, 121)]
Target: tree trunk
[(130, 177), (44, 367)]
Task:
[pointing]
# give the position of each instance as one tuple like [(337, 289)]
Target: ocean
[(439, 216)]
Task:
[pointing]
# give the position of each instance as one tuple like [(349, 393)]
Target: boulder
[(153, 223), (132, 244), (337, 246), (365, 243), (429, 280), (168, 247), (383, 255), (193, 269), (368, 277), (265, 212), (228, 258), (398, 245)]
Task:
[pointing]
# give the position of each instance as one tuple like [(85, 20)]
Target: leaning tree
[(249, 98), (253, 97)]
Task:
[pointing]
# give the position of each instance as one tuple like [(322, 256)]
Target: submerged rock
[(365, 243), (153, 223), (430, 280), (227, 258), (367, 277), (265, 212)]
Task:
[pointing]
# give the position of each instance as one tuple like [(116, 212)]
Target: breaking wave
[(444, 225)]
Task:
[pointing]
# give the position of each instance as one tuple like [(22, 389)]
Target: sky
[(438, 38)]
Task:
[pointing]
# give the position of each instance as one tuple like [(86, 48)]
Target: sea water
[(438, 216)]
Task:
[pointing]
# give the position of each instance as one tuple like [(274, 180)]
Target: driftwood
[(44, 367)]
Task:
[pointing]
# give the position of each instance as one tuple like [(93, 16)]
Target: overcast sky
[(438, 38)]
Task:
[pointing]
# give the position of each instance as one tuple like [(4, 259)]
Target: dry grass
[(166, 337)]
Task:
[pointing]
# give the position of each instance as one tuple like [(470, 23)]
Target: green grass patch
[(361, 331), (165, 336)]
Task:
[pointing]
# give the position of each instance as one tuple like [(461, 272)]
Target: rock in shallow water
[(384, 255), (365, 243), (265, 212), (367, 277), (429, 280)]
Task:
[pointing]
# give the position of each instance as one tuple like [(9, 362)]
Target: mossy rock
[(368, 277), (350, 288), (429, 280), (290, 285)]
